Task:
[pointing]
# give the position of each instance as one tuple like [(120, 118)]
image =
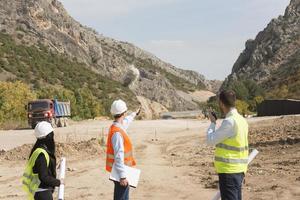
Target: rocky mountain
[(156, 84), (272, 59)]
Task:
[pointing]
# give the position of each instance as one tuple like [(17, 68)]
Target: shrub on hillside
[(13, 98), (247, 91), (242, 107)]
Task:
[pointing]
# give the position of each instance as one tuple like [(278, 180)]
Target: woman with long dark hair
[(39, 178)]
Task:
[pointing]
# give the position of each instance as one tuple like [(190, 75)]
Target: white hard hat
[(118, 107), (42, 129)]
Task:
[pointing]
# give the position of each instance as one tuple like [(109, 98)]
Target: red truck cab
[(44, 110)]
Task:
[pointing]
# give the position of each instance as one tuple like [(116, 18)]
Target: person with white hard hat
[(119, 147), (39, 178)]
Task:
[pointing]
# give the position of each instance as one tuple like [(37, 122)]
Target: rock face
[(271, 52), (46, 22)]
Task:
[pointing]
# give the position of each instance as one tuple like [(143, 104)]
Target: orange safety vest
[(128, 155)]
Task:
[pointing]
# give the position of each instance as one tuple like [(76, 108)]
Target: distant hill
[(42, 44), (270, 64)]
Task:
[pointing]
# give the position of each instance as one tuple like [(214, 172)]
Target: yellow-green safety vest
[(31, 180), (231, 155)]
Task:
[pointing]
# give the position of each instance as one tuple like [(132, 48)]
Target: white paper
[(62, 173), (133, 176), (250, 158), (217, 196)]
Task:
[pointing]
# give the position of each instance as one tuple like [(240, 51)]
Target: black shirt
[(47, 175)]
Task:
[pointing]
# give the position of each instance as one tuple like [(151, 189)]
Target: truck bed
[(62, 109)]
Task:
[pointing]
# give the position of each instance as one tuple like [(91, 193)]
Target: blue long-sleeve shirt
[(118, 144)]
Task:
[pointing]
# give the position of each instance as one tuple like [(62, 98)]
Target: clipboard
[(133, 176)]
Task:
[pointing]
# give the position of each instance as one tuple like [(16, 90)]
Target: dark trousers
[(45, 195), (231, 186), (120, 192)]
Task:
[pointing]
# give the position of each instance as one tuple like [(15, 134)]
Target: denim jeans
[(231, 186), (120, 192)]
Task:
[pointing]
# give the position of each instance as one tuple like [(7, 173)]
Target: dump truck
[(52, 111)]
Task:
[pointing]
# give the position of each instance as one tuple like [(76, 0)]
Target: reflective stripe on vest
[(126, 155), (229, 160), (30, 180), (231, 156), (231, 148), (128, 163), (110, 164)]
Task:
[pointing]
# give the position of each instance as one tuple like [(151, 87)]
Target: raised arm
[(128, 119), (225, 131)]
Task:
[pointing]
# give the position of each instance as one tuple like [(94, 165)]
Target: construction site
[(211, 90), (174, 159)]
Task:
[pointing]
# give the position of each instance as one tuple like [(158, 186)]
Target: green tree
[(242, 107), (282, 92), (253, 89), (89, 105), (13, 98), (255, 102)]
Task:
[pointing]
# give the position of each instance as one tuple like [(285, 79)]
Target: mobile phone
[(214, 114)]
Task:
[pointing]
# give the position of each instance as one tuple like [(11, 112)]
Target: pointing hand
[(138, 111)]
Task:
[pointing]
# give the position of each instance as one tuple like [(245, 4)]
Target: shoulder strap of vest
[(114, 129), (37, 152)]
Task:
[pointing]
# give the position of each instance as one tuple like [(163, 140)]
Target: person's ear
[(221, 106)]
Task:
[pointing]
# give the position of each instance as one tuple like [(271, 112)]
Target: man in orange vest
[(119, 147)]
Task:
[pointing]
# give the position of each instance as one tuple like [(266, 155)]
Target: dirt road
[(175, 162)]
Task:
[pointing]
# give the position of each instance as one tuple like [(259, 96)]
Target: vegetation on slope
[(53, 75), (285, 81)]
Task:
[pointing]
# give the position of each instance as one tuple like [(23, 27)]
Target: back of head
[(45, 137), (118, 107), (228, 98), (42, 129)]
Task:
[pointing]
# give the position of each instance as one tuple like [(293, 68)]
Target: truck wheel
[(53, 123), (59, 122), (66, 122)]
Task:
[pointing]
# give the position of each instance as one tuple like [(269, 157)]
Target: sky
[(202, 35)]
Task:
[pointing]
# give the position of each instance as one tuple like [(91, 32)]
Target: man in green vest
[(231, 142)]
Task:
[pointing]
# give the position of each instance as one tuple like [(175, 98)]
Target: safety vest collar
[(119, 125), (232, 112)]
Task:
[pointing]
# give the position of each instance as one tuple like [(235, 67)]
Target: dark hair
[(119, 115), (227, 97)]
